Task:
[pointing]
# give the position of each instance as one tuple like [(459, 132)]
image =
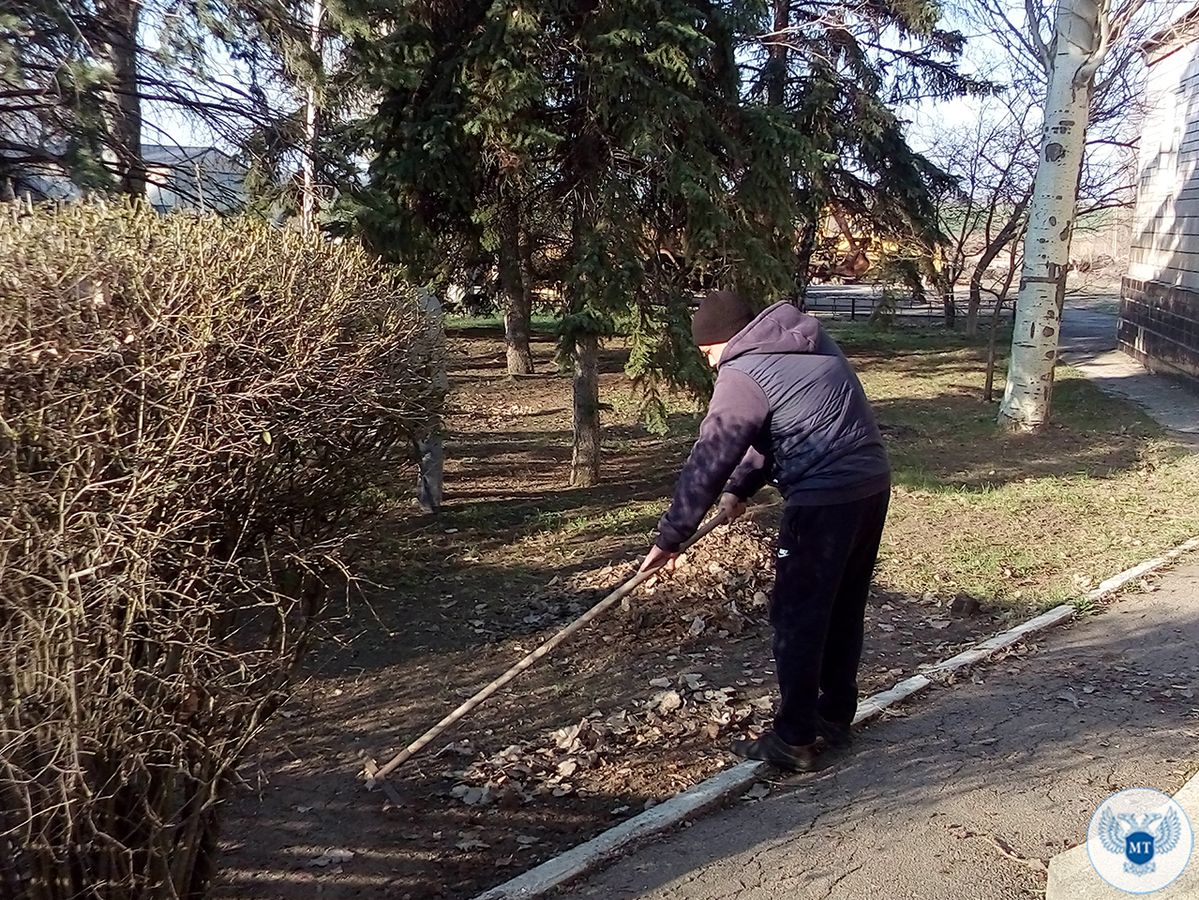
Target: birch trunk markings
[(1029, 392)]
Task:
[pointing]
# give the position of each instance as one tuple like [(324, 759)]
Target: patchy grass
[(540, 322), (1025, 520), (1017, 521), (633, 516)]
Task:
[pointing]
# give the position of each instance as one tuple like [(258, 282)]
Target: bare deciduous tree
[(85, 87), (1089, 65), (992, 163)]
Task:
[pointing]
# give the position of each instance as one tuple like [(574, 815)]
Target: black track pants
[(826, 557)]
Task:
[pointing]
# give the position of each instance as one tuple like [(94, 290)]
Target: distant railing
[(859, 303)]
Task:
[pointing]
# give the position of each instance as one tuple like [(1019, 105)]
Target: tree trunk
[(974, 304), (976, 281), (803, 262), (517, 299), (119, 21), (776, 77), (1001, 296), (989, 387), (431, 445), (1009, 233), (949, 307), (311, 128), (997, 312), (585, 460), (527, 269), (1029, 392)]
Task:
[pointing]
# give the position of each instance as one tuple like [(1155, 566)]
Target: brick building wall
[(1159, 309), (1159, 325)]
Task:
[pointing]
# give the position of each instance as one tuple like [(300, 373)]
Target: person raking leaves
[(787, 408)]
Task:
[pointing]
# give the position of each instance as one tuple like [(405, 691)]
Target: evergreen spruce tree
[(627, 122), (640, 149), (840, 71)]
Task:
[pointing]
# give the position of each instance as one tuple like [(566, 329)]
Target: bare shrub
[(192, 412)]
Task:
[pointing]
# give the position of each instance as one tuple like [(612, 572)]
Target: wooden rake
[(376, 776)]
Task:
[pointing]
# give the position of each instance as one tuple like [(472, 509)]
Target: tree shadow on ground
[(1018, 760), (392, 857), (513, 479), (953, 766), (511, 523), (950, 440), (448, 615), (538, 335)]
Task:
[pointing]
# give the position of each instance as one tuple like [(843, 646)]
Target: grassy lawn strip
[(1020, 520), (540, 322)]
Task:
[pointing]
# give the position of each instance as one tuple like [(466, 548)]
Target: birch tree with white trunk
[(1077, 50), (1087, 34)]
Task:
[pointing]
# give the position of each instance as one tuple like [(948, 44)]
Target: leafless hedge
[(192, 412)]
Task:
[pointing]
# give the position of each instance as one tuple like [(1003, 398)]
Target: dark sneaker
[(836, 736), (773, 749)]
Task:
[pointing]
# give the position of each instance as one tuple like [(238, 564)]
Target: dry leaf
[(669, 702), (472, 795), (758, 792), (472, 843), (1070, 697), (330, 857)]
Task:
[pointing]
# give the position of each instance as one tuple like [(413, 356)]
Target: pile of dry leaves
[(569, 760), (721, 583), (718, 590)]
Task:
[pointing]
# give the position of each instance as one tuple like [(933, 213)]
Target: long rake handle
[(374, 776)]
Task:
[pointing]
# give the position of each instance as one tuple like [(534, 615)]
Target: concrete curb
[(587, 856), (1118, 581)]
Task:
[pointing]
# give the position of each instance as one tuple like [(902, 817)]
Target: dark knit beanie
[(720, 316)]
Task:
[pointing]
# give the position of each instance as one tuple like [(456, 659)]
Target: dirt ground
[(635, 709)]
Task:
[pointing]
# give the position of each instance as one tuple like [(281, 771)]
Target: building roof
[(203, 177), (1180, 33), (173, 155)]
